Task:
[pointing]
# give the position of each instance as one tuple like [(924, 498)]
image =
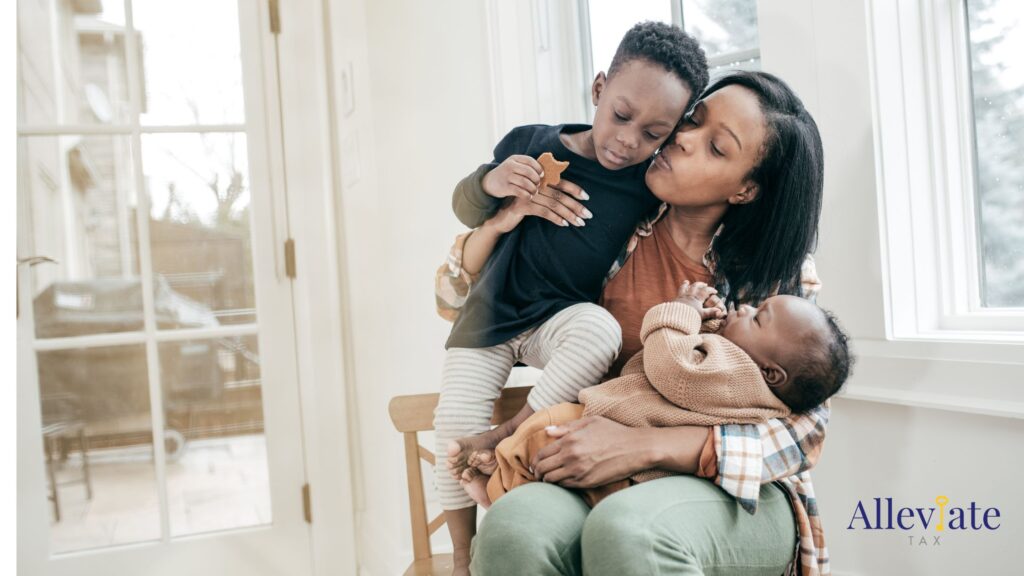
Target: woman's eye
[(715, 150), (652, 136)]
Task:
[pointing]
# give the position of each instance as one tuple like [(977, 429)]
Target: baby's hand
[(702, 298), (517, 176)]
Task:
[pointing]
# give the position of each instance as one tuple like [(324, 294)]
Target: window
[(134, 145), (997, 85), (949, 101), (727, 29)]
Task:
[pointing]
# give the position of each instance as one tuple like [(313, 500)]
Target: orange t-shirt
[(650, 276)]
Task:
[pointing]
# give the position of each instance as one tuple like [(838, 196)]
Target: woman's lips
[(661, 162)]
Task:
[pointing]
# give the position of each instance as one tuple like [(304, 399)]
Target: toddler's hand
[(517, 176), (702, 298), (559, 204)]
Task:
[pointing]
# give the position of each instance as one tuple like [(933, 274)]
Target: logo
[(934, 521)]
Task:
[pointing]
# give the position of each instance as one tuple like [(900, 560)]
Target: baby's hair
[(667, 46), (825, 367)]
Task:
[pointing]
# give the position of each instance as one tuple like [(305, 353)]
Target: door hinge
[(275, 17), (307, 506), (289, 258)]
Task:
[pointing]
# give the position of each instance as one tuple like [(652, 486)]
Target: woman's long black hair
[(762, 245)]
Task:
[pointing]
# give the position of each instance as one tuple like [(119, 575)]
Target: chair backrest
[(413, 414)]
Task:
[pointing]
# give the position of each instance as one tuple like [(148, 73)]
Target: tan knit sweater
[(683, 378)]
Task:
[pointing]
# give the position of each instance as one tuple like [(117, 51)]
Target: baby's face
[(637, 109), (775, 333)]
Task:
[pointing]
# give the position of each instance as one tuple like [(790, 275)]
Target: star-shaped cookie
[(552, 170)]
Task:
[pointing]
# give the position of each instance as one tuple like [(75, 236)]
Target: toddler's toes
[(475, 484), (484, 461)]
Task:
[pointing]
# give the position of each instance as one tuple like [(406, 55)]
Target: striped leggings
[(574, 348)]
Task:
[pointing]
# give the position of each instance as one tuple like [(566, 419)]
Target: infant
[(786, 355)]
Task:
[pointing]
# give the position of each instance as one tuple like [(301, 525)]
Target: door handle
[(30, 262), (36, 260)]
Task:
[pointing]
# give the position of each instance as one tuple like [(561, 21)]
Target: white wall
[(421, 121), (423, 118), (875, 449)]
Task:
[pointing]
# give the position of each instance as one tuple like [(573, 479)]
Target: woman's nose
[(746, 309)]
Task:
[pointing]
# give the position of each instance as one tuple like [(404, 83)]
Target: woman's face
[(707, 161)]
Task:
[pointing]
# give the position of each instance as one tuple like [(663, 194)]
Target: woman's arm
[(470, 252), (483, 194), (745, 456), (554, 204), (594, 451), (738, 457), (478, 247)]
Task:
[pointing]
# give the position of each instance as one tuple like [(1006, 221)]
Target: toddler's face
[(637, 109), (775, 333)]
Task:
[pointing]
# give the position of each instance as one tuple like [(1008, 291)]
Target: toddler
[(533, 301)]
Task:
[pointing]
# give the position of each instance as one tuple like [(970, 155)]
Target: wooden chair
[(413, 414)]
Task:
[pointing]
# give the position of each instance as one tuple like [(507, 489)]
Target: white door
[(159, 428)]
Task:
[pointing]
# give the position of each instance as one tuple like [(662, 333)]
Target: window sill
[(972, 377), (936, 401)]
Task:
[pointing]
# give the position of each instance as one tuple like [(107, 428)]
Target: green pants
[(678, 525)]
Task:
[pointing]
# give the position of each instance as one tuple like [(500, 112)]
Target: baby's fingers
[(716, 302), (710, 313)]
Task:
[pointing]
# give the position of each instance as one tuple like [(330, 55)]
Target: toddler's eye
[(652, 136), (621, 118)]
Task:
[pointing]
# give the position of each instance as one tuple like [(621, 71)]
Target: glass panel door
[(164, 387)]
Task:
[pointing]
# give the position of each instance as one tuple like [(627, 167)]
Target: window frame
[(927, 178)]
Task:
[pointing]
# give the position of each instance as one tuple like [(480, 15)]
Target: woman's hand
[(591, 452), (559, 203), (595, 451)]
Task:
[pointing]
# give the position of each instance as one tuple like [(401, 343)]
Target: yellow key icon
[(941, 501)]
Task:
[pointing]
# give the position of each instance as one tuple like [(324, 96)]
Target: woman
[(742, 186)]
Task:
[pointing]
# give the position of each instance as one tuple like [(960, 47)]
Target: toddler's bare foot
[(475, 484), (460, 451), (484, 461)]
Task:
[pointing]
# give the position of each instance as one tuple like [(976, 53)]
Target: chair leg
[(51, 473), (83, 445)]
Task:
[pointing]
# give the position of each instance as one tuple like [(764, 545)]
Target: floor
[(217, 484)]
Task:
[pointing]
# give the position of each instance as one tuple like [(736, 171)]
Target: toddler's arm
[(471, 204)]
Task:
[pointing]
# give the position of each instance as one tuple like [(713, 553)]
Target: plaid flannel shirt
[(748, 455)]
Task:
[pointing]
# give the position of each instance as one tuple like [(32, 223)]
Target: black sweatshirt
[(540, 268)]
